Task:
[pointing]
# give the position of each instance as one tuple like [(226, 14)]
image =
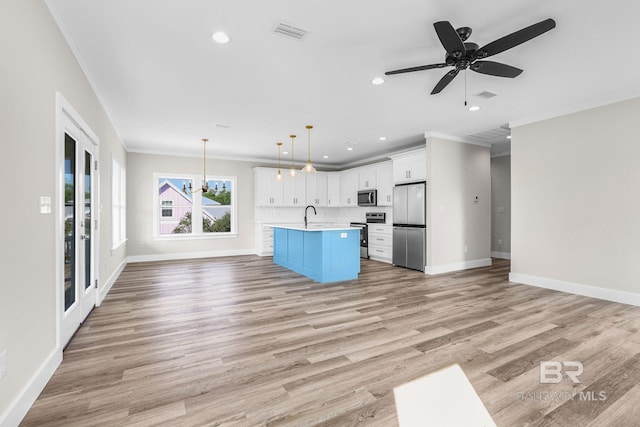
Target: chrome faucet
[(305, 214)]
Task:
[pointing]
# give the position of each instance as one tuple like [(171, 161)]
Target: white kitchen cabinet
[(265, 240), (295, 190), (384, 181), (381, 242), (268, 190), (367, 178), (410, 166), (317, 189), (333, 189), (349, 189)]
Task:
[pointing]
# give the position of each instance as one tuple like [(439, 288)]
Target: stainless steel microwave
[(368, 198)]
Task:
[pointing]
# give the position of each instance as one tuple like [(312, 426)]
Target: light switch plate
[(45, 204)]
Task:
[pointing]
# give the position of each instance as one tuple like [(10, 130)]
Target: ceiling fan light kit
[(463, 55)]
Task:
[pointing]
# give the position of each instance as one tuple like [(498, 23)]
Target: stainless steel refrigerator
[(409, 225)]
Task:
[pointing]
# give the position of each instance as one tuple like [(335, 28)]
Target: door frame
[(65, 113)]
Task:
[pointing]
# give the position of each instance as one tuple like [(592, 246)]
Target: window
[(167, 211), (118, 204), (183, 209)]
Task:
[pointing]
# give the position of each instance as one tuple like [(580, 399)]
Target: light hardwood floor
[(240, 341)]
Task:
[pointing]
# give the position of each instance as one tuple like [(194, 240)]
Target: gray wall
[(501, 206), (575, 204), (35, 62), (457, 173), (140, 186)]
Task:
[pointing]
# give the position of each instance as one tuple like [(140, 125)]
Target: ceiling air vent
[(485, 95), (289, 30)]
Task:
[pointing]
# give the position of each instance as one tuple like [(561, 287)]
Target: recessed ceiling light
[(508, 136), (349, 148), (220, 37), (325, 157), (383, 138), (377, 81), (474, 108)]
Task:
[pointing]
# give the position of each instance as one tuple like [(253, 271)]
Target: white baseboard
[(457, 266), (577, 288), (501, 255), (30, 392), (102, 292), (189, 255)]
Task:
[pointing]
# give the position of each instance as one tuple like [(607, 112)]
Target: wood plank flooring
[(240, 341)]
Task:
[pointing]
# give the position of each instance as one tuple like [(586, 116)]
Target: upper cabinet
[(349, 189), (384, 180), (410, 166), (268, 190), (333, 189), (324, 189), (295, 190), (317, 189), (367, 178)]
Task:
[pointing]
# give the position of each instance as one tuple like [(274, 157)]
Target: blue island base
[(322, 255)]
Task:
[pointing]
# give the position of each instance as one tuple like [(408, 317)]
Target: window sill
[(118, 245), (212, 236)]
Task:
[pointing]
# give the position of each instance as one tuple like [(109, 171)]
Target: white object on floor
[(444, 398)]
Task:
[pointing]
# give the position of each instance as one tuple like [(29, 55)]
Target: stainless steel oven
[(364, 238)]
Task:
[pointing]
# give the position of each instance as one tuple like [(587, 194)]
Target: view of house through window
[(183, 208)]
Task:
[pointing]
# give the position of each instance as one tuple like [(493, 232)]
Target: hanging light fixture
[(292, 171), (308, 168), (279, 175), (205, 185)]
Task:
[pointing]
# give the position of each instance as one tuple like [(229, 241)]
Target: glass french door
[(79, 224)]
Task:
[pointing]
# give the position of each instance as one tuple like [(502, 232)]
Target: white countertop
[(313, 227)]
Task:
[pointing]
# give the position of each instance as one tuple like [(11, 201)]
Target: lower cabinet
[(265, 240), (381, 242)]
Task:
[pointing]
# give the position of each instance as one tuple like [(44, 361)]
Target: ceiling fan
[(462, 54)]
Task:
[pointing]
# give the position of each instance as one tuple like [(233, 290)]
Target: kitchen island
[(322, 253)]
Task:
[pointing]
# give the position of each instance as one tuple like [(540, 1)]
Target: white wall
[(140, 208), (456, 173), (35, 62), (501, 206), (576, 210)]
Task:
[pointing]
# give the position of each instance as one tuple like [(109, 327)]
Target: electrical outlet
[(3, 364), (466, 249), (499, 241)]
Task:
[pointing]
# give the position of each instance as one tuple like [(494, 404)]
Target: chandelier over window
[(205, 185)]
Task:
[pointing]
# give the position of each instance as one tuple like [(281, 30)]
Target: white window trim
[(197, 205), (118, 204)]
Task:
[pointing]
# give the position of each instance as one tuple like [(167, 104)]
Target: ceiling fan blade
[(411, 69), (517, 38), (449, 37), (495, 69), (445, 81)]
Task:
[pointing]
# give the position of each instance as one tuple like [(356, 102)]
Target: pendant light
[(205, 185), (308, 168), (279, 175), (292, 171)]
